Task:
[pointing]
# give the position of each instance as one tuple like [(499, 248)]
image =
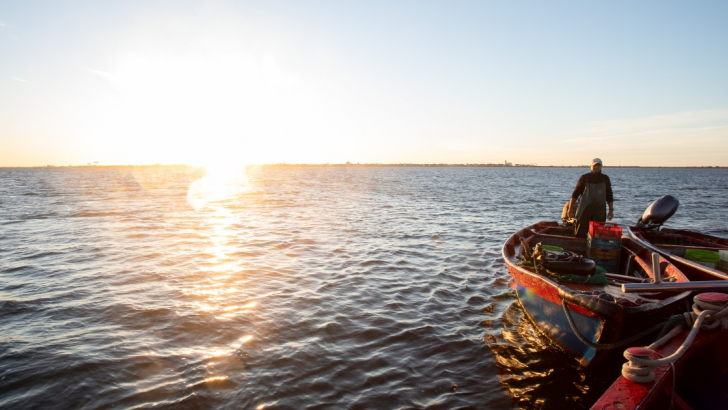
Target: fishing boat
[(689, 370), (678, 245), (587, 317)]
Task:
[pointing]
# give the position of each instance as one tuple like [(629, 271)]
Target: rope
[(605, 346), (674, 320), (538, 257), (719, 318), (705, 315), (642, 369)]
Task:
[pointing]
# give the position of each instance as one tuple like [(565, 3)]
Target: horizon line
[(373, 164)]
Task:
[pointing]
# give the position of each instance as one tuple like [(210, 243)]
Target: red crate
[(604, 230)]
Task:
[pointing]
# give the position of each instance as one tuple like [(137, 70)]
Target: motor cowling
[(658, 212)]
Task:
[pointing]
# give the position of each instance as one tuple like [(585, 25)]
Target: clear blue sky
[(553, 83)]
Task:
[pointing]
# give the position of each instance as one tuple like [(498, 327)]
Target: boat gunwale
[(701, 237), (635, 234)]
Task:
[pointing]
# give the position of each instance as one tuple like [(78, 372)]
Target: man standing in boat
[(595, 190)]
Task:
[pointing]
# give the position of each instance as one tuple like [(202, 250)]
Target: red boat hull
[(597, 320)]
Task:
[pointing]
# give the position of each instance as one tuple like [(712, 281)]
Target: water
[(304, 288)]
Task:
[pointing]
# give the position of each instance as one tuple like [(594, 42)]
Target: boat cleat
[(640, 352), (714, 298)]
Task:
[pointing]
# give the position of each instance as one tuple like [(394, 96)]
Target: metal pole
[(704, 286), (656, 272)]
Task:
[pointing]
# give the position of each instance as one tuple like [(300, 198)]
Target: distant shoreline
[(284, 165)]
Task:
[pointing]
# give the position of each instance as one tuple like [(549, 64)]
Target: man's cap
[(597, 161)]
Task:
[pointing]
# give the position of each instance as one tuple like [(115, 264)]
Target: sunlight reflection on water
[(220, 183)]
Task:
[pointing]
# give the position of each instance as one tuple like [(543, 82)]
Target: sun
[(222, 181)]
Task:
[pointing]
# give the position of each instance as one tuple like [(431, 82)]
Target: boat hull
[(597, 320), (550, 318)]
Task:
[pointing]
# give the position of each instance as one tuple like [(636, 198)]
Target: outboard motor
[(658, 212)]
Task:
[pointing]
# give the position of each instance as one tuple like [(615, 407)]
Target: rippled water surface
[(302, 288)]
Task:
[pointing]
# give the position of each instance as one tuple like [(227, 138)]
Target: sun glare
[(222, 181)]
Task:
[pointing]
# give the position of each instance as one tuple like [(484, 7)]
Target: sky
[(248, 82)]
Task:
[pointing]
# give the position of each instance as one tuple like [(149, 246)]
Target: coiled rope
[(641, 366)]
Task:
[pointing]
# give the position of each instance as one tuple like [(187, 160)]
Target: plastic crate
[(604, 230), (603, 253), (603, 243), (610, 265)]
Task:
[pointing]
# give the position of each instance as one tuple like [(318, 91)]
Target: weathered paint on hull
[(599, 321), (550, 318)]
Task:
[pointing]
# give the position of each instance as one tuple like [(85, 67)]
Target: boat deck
[(636, 271)]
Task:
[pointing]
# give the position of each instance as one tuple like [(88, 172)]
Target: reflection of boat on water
[(534, 374), (695, 254), (582, 317)]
